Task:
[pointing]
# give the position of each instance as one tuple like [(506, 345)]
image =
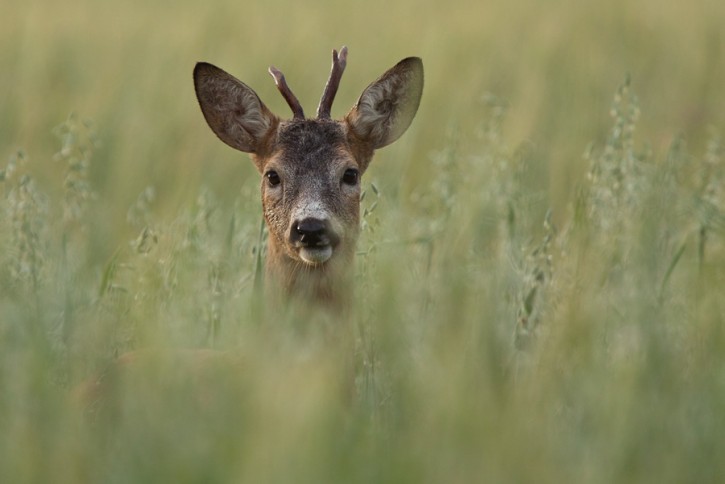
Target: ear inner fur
[(387, 106), (232, 109)]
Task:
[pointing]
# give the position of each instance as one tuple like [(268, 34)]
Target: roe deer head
[(311, 168)]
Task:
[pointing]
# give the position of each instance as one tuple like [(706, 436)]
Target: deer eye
[(272, 178), (350, 176)]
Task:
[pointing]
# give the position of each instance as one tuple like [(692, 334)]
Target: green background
[(491, 342)]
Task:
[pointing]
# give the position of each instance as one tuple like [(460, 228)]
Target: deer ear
[(232, 109), (387, 106)]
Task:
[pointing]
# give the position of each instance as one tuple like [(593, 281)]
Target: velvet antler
[(338, 66), (291, 99)]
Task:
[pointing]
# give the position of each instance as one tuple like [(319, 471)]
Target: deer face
[(311, 168), (311, 191)]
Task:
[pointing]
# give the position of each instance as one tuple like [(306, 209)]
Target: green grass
[(539, 281)]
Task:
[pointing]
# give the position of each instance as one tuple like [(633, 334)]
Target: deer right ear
[(387, 106), (232, 109)]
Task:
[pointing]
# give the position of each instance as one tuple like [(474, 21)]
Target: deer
[(311, 167), (310, 179)]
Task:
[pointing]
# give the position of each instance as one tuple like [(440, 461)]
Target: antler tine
[(291, 99), (328, 96)]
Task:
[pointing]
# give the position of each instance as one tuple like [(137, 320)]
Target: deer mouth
[(314, 240), (317, 254)]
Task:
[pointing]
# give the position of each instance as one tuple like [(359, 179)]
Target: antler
[(291, 99), (338, 66)]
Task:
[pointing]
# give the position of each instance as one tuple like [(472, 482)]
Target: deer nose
[(310, 232)]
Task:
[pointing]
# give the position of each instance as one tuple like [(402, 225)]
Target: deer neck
[(328, 285)]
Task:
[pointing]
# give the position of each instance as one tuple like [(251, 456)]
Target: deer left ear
[(387, 106), (232, 109)]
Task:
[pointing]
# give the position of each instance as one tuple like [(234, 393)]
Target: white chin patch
[(316, 255)]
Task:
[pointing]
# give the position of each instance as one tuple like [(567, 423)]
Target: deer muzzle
[(314, 239)]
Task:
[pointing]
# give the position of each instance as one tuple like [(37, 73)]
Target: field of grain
[(540, 277)]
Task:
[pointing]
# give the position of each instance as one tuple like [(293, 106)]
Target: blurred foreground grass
[(495, 339)]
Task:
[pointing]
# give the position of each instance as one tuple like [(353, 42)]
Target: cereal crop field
[(540, 278)]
